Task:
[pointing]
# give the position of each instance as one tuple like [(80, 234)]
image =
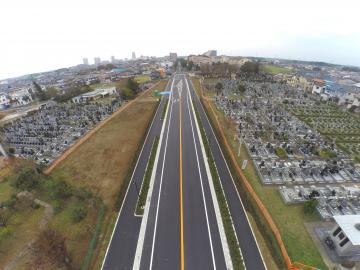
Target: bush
[(78, 214), (26, 179), (10, 203), (58, 206), (58, 189), (281, 153), (127, 93), (11, 151), (5, 232), (83, 193), (310, 206)]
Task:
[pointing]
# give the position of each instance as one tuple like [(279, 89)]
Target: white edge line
[(142, 181), (237, 192), (201, 180), (127, 190), (219, 221), (161, 179), (141, 238)]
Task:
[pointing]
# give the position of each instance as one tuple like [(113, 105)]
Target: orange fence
[(71, 149), (259, 203)]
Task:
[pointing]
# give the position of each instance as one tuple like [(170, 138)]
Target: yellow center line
[(181, 199)]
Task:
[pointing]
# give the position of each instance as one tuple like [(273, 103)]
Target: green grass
[(6, 190), (146, 181), (281, 153), (94, 239), (273, 70), (235, 254), (164, 109), (142, 78)]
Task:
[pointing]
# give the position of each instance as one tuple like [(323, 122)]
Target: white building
[(318, 87), (98, 93), (4, 100), (21, 96), (85, 61), (97, 61), (199, 59), (210, 53), (346, 235)]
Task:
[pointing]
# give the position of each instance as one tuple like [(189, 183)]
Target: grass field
[(142, 78), (289, 219), (273, 70), (100, 165)]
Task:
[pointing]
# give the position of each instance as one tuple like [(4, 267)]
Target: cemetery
[(45, 134), (333, 200), (285, 147), (341, 127)]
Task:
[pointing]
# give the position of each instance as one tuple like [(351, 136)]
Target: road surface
[(180, 228)]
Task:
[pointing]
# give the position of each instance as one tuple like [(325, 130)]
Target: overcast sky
[(41, 35)]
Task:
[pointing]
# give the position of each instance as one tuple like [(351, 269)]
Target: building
[(4, 101), (97, 61), (133, 56), (85, 61), (319, 86), (113, 60), (96, 94), (173, 57), (210, 53), (199, 59), (20, 96), (346, 235)]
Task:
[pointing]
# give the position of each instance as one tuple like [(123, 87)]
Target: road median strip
[(146, 180), (232, 240)]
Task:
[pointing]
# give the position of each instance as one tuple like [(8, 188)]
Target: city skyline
[(327, 32)]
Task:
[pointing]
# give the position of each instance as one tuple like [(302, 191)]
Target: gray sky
[(40, 35)]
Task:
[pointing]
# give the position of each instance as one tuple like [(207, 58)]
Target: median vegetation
[(234, 247), (146, 181), (163, 113)]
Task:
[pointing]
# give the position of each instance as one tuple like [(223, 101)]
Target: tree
[(126, 93), (133, 85), (58, 189), (27, 179), (11, 151), (250, 67), (190, 65), (218, 87), (310, 206), (241, 88), (39, 92)]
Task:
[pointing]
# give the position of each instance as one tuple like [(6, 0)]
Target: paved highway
[(181, 227)]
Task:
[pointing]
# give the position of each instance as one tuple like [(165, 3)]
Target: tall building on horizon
[(85, 61), (210, 53), (133, 56), (113, 59), (173, 56), (97, 60)]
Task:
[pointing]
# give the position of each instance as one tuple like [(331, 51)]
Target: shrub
[(58, 206), (5, 232), (83, 193), (310, 206), (58, 189), (78, 214), (26, 179)]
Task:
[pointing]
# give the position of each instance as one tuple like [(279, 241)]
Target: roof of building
[(357, 85), (350, 225)]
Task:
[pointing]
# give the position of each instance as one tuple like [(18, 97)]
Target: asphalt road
[(180, 228)]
